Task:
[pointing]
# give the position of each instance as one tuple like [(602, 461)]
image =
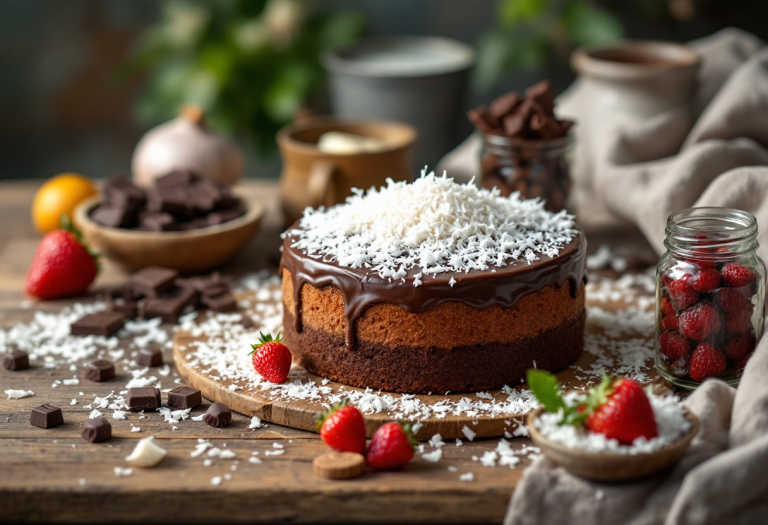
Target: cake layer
[(445, 325), (424, 369)]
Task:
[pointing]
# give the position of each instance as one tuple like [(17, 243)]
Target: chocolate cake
[(433, 287)]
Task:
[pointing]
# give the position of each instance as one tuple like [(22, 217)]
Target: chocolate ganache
[(480, 289)]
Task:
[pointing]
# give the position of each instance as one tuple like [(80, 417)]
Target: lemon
[(59, 196)]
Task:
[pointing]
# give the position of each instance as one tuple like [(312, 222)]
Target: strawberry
[(738, 322), (623, 411), (740, 347), (699, 321), (670, 322), (618, 409), (63, 265), (729, 300), (737, 275), (271, 358), (674, 346), (666, 306), (681, 293), (342, 428), (392, 446), (706, 279), (707, 361)]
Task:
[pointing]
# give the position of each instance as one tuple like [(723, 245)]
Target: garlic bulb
[(186, 143)]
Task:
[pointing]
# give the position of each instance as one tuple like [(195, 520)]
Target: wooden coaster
[(339, 465)]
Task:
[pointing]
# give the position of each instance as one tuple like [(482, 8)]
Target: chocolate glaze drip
[(479, 289)]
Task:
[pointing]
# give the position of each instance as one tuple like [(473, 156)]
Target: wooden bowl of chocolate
[(184, 222)]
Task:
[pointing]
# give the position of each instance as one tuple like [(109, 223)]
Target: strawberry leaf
[(547, 390)]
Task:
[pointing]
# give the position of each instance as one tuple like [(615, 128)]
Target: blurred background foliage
[(251, 64)]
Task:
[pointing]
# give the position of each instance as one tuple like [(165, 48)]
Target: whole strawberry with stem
[(342, 428), (617, 408), (271, 358), (392, 446), (63, 265)]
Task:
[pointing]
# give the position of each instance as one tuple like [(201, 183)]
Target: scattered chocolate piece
[(101, 323), (504, 105), (122, 300), (542, 94), (153, 280), (46, 416), (16, 360), (99, 370), (184, 397), (247, 322), (121, 192), (97, 430), (150, 356), (221, 303), (169, 306), (218, 415), (143, 398)]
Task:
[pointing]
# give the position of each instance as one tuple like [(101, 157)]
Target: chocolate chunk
[(482, 120), (168, 200), (101, 323), (220, 217), (99, 370), (153, 280), (247, 322), (16, 360), (112, 216), (97, 430), (218, 415), (221, 303), (177, 178), (151, 356), (122, 300), (541, 93), (547, 127), (120, 192), (143, 398), (169, 306), (214, 289), (46, 416), (157, 222), (504, 105), (184, 397)]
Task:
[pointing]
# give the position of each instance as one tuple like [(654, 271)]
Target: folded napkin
[(721, 478), (713, 152)]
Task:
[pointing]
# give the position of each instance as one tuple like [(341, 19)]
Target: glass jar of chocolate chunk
[(526, 148)]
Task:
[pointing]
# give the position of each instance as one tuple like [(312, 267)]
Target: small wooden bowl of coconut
[(616, 432)]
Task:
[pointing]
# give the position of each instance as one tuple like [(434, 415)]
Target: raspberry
[(666, 306), (673, 346), (706, 361), (706, 279), (729, 300), (738, 322), (737, 276), (740, 347), (681, 293), (670, 322), (699, 321)]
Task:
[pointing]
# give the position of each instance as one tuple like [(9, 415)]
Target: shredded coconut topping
[(433, 224)]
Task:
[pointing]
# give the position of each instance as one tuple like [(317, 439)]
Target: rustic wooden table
[(55, 476)]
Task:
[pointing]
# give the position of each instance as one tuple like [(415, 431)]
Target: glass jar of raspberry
[(710, 296)]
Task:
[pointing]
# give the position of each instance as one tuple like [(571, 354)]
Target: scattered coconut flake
[(119, 415), (469, 433), (18, 394), (254, 460), (273, 452), (437, 441), (255, 423), (135, 429), (433, 456), (122, 472), (94, 414), (467, 477), (216, 480)]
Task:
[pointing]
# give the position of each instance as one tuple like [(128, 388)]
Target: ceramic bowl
[(609, 467), (189, 252)]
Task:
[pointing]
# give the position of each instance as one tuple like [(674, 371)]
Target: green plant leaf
[(586, 24), (512, 12), (547, 390)]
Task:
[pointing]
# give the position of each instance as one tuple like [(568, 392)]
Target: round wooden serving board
[(301, 413)]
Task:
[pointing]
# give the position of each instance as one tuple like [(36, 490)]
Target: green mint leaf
[(546, 389)]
